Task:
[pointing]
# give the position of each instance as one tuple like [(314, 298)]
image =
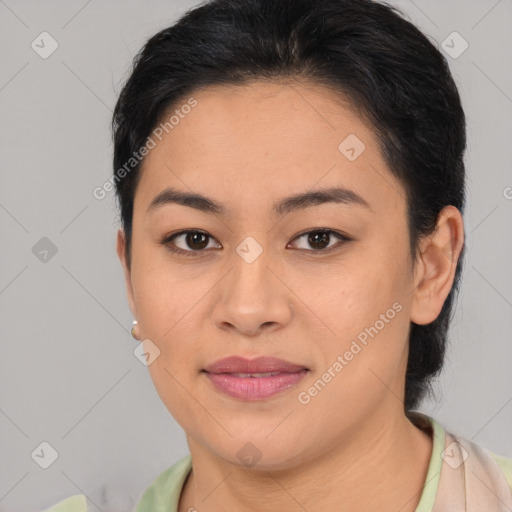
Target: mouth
[(254, 379), (258, 366), (254, 375)]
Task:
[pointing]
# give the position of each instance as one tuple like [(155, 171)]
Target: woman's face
[(264, 281)]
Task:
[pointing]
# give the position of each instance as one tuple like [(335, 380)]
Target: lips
[(258, 367), (254, 379)]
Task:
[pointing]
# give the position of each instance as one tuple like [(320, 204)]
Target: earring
[(134, 330)]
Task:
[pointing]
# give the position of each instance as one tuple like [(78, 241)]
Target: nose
[(253, 299)]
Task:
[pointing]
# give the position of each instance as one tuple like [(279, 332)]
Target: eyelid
[(342, 238), (166, 241)]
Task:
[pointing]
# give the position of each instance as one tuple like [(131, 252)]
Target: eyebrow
[(299, 201)]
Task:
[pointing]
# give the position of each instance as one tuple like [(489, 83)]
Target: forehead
[(270, 138), (270, 112)]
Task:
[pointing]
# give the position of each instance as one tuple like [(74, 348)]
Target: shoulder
[(161, 496), (505, 465), (164, 493), (75, 503)]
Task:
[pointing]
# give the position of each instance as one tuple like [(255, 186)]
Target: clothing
[(468, 479)]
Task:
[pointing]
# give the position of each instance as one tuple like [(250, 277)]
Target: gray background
[(68, 373)]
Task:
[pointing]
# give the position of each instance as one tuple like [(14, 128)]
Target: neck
[(380, 466)]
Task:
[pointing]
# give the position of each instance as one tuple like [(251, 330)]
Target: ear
[(121, 254), (435, 266)]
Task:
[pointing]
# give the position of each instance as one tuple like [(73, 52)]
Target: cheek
[(362, 365), (365, 307), (350, 296), (163, 292), (167, 317)]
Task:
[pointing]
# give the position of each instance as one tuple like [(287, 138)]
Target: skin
[(351, 447)]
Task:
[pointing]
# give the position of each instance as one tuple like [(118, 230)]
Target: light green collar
[(428, 496)]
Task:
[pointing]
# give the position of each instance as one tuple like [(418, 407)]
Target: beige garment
[(471, 480)]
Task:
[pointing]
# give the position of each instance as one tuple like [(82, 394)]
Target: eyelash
[(194, 253)]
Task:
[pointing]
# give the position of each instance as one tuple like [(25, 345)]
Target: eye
[(320, 239), (196, 241)]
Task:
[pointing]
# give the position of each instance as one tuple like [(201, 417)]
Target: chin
[(262, 454)]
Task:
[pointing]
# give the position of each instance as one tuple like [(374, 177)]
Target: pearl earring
[(133, 331)]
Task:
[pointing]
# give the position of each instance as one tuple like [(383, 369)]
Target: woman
[(291, 185)]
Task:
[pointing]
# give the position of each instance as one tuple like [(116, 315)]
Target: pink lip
[(236, 364), (221, 375)]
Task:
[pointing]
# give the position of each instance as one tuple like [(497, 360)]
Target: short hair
[(365, 51)]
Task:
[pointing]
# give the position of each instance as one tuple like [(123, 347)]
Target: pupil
[(194, 238), (319, 237)]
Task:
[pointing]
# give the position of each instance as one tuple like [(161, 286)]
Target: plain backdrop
[(68, 373)]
